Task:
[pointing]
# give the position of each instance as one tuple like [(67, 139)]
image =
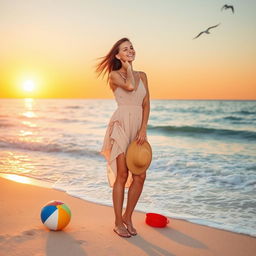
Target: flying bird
[(226, 6), (206, 31)]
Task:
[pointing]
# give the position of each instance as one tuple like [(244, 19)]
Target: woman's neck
[(123, 70)]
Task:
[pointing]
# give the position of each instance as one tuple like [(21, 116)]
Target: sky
[(54, 45)]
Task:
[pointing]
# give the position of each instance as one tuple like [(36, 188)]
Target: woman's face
[(126, 51)]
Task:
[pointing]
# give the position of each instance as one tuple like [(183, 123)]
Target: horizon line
[(20, 98)]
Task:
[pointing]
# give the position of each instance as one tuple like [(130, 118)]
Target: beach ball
[(55, 215)]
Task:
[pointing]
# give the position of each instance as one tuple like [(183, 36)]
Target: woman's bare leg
[(133, 196), (118, 193)]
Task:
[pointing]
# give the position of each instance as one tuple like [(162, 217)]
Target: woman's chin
[(130, 59)]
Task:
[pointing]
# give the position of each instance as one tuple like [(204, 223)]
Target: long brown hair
[(110, 62)]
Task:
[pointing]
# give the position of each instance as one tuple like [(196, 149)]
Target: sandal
[(121, 231), (131, 230)]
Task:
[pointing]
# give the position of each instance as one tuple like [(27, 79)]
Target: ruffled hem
[(115, 143)]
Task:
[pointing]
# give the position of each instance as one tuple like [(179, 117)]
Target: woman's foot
[(128, 223), (122, 231)]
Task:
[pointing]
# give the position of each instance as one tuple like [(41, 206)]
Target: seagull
[(228, 7), (206, 31)]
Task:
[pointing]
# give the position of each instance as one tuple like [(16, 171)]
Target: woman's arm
[(117, 80), (142, 134)]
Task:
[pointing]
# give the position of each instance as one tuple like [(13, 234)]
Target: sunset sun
[(28, 86)]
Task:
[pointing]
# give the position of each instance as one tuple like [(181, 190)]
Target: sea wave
[(245, 112), (48, 147), (233, 118), (194, 130)]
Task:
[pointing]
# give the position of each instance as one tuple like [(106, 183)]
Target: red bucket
[(156, 220)]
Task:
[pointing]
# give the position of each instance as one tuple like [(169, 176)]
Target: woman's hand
[(125, 64), (141, 136)]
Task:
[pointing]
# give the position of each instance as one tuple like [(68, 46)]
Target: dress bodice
[(134, 97)]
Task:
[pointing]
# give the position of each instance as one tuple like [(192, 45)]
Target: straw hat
[(138, 157)]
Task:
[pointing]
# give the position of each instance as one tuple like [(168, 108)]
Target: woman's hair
[(110, 62)]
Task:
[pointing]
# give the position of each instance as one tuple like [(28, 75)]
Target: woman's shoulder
[(112, 74), (143, 77), (142, 74)]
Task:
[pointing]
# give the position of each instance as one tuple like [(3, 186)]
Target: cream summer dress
[(123, 127)]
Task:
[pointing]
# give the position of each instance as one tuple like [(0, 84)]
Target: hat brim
[(129, 157)]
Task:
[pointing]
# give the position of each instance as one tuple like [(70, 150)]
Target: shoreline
[(44, 184), (90, 231)]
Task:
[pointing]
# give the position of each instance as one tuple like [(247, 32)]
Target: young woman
[(128, 123)]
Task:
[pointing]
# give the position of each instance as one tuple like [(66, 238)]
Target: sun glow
[(28, 85)]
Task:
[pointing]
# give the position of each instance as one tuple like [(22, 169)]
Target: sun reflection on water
[(29, 107), (29, 124), (29, 114), (25, 180), (25, 133), (17, 178), (21, 163)]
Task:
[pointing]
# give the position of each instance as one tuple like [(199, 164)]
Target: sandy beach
[(90, 231)]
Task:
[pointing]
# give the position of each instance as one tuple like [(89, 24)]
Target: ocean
[(204, 155)]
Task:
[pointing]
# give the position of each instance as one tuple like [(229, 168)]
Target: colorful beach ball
[(55, 215)]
